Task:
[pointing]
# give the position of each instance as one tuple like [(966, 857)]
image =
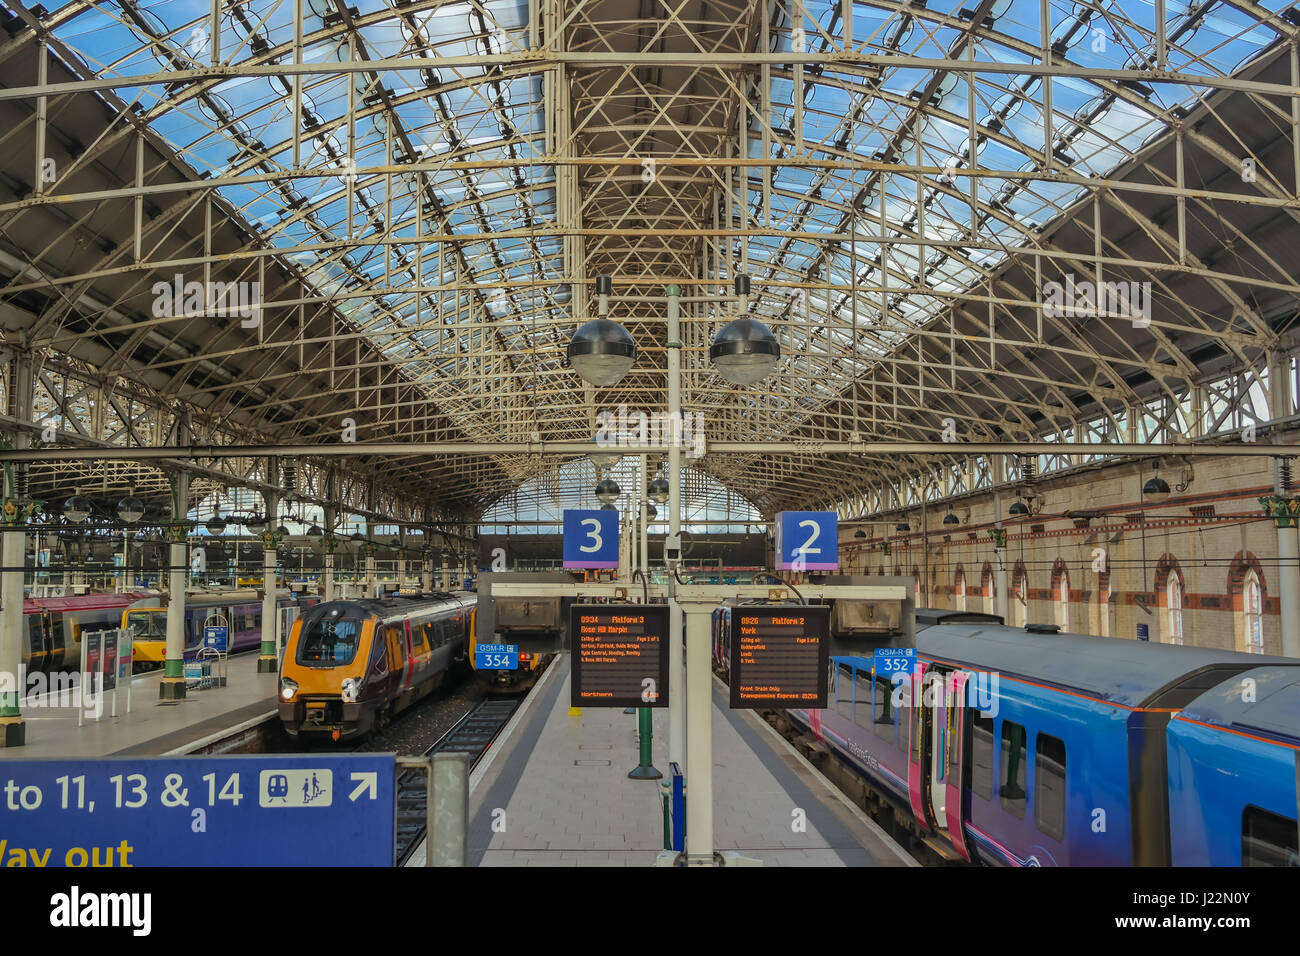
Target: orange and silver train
[(349, 666)]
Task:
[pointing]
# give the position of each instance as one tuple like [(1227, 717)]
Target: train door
[(936, 708), (915, 736), (395, 648), (956, 729), (408, 645)]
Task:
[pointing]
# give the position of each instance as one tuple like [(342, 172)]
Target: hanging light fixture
[(902, 526), (1018, 510), (651, 511), (256, 525), (745, 351), (1156, 489), (607, 491), (859, 533), (658, 490), (951, 518), (130, 509), (76, 509), (601, 352), (604, 458), (216, 524)]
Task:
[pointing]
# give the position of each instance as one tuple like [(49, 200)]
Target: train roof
[(392, 606), (1273, 707), (84, 602), (1128, 673), (930, 616)]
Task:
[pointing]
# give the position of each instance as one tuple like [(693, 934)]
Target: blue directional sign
[(590, 539), (496, 657), (198, 811), (895, 660), (216, 636), (807, 541)]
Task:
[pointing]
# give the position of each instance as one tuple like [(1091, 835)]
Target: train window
[(844, 691), (1268, 839), (981, 777), (329, 640), (396, 646), (419, 643), (1049, 786), (862, 710), (1012, 790), (884, 710)]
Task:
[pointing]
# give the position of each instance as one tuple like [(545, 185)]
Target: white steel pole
[(676, 652)]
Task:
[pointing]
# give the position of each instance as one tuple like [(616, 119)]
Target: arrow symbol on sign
[(369, 781)]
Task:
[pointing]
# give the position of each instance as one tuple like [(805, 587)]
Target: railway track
[(472, 735)]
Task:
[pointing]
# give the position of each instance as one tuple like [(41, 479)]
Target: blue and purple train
[(1028, 747)]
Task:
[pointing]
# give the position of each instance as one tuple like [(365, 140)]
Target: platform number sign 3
[(590, 539), (807, 541)]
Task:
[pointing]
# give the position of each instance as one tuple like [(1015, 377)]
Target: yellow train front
[(349, 666), (535, 626)]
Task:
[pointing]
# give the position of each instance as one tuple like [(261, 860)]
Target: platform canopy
[(425, 192)]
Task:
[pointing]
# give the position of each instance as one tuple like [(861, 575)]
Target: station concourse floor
[(562, 782), (152, 728)]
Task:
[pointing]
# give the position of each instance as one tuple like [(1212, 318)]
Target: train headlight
[(351, 689), (288, 687)]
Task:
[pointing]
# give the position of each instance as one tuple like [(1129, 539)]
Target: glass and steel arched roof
[(425, 192)]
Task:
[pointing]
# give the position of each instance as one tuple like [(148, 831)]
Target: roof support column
[(1284, 508), (172, 685), (13, 732), (267, 658)]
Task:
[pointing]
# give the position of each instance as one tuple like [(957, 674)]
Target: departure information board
[(620, 655), (779, 656)]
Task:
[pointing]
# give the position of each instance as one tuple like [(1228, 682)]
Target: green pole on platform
[(645, 730)]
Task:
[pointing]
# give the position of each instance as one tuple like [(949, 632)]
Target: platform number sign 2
[(807, 541), (590, 539)]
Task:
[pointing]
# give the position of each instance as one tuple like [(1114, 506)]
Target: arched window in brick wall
[(916, 583), (989, 584), (1170, 591), (1248, 591), (1061, 593), (1019, 597), (959, 589)]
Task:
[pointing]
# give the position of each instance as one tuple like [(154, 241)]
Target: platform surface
[(152, 728), (563, 786)]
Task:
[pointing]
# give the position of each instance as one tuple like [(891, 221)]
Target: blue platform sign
[(293, 810), (590, 539), (807, 541), (496, 657), (895, 660), (216, 636)]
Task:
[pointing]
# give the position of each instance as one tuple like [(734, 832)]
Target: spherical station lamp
[(256, 525), (76, 509), (601, 351), (216, 525), (658, 490), (603, 458), (130, 509), (651, 511), (951, 519), (902, 526), (744, 350), (1018, 510), (1156, 489), (607, 491)]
